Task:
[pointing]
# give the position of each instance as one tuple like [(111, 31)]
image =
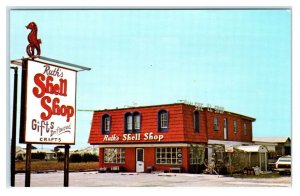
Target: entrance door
[(139, 160)]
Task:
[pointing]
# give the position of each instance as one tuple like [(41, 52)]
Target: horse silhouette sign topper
[(34, 42)]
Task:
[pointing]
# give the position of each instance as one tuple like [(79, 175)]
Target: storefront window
[(169, 155), (114, 155), (197, 154)]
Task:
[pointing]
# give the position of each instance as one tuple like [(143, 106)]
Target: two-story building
[(161, 136)]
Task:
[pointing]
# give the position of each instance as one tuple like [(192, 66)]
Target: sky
[(237, 59)]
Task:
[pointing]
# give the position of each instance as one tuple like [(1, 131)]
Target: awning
[(252, 148)]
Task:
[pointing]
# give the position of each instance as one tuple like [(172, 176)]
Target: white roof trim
[(252, 148), (228, 143)]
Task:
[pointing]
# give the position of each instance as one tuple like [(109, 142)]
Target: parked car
[(283, 165)]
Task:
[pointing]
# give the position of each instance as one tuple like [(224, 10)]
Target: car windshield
[(284, 159)]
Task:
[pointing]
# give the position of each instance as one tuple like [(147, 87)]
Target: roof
[(90, 149), (271, 139), (170, 104), (252, 148), (42, 151)]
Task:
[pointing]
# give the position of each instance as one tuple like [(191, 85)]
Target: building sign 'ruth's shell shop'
[(49, 104), (160, 136)]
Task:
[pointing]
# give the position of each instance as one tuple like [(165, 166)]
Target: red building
[(160, 136)]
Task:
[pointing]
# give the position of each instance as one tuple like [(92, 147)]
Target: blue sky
[(238, 59)]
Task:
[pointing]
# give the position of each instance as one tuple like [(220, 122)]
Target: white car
[(283, 165)]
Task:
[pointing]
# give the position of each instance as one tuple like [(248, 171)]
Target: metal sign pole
[(14, 127), (66, 166), (28, 165)]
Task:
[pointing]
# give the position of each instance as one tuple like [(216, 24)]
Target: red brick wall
[(149, 160), (188, 121), (231, 135)]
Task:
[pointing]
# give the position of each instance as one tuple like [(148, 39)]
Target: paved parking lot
[(95, 179)]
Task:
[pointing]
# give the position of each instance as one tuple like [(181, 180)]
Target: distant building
[(88, 150), (278, 146), (163, 136), (21, 153)]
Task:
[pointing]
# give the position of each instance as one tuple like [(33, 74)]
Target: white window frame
[(137, 121), (193, 159), (107, 124), (129, 123), (117, 155), (168, 155), (164, 120)]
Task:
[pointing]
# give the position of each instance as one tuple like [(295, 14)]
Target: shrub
[(20, 157), (38, 155), (75, 158), (60, 156), (88, 157)]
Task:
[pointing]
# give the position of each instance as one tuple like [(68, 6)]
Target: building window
[(225, 129), (235, 126), (105, 124), (163, 120), (245, 129), (128, 122), (216, 124), (169, 155), (114, 155), (136, 122), (197, 121), (197, 155)]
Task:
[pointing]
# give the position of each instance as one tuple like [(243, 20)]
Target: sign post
[(14, 130), (66, 166), (28, 165)]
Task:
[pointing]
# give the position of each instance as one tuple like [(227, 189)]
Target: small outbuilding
[(257, 156), (278, 146)]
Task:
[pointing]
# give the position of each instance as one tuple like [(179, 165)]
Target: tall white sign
[(50, 104)]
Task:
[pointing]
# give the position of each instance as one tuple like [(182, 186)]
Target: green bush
[(60, 156), (38, 155), (20, 157), (88, 157), (75, 158)]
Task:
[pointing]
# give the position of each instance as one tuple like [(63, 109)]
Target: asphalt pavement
[(95, 179)]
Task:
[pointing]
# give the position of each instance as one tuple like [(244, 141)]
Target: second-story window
[(245, 129), (197, 121), (136, 122), (128, 122), (163, 120), (105, 124), (225, 129), (216, 124), (235, 126)]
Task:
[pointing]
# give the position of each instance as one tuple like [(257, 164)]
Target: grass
[(38, 166), (268, 175)]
